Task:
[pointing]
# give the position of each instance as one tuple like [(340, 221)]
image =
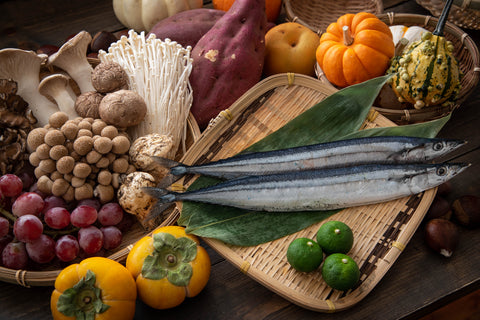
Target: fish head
[(433, 175), (445, 171), (440, 147)]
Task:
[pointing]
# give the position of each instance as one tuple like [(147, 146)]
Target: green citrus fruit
[(340, 271), (304, 254), (335, 237)]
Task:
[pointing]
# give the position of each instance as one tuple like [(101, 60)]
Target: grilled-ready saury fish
[(324, 189), (381, 149)]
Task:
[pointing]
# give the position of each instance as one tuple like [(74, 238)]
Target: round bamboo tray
[(318, 14), (466, 52), (465, 14), (381, 231), (46, 275)]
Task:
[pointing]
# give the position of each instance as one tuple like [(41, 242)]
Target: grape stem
[(7, 214), (52, 233)]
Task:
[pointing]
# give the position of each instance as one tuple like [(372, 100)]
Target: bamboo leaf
[(337, 117), (428, 129)]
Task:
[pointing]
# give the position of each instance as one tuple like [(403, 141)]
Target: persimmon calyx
[(83, 300), (171, 259)]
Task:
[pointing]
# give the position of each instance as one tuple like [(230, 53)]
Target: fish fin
[(176, 170), (165, 199)]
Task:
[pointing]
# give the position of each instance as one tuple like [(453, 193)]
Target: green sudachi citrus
[(335, 237), (304, 254), (340, 271)]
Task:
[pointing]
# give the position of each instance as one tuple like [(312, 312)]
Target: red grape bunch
[(39, 228)]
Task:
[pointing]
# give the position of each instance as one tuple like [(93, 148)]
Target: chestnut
[(101, 41), (444, 189), (442, 236), (440, 208), (467, 211)]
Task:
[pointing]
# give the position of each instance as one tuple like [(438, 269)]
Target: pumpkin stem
[(347, 36), (442, 20)]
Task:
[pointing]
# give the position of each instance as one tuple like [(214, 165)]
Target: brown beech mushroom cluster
[(80, 158)]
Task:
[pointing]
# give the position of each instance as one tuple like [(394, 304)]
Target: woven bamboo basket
[(318, 14), (465, 14), (466, 52), (381, 231), (45, 275)]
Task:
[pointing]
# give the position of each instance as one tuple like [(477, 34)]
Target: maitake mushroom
[(15, 123)]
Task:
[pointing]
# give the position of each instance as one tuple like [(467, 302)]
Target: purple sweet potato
[(228, 59), (187, 27)]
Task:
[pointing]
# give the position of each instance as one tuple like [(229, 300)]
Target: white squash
[(412, 33), (142, 15)]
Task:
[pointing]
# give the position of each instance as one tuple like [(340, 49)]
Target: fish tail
[(165, 199), (176, 171)]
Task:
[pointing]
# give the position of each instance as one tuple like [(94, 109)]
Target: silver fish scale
[(325, 189)]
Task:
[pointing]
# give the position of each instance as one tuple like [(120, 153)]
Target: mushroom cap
[(87, 104), (75, 46), (72, 57), (123, 108), (15, 64), (109, 77), (53, 82)]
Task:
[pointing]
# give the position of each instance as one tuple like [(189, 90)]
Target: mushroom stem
[(58, 87), (347, 36)]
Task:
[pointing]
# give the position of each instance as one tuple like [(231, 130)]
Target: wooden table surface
[(419, 282)]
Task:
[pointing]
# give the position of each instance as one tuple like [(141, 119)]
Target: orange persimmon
[(168, 266)]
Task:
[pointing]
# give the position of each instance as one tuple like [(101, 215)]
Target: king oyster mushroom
[(72, 58), (57, 86), (23, 67)]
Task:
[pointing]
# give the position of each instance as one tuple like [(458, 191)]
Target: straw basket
[(318, 14), (381, 231), (46, 275), (466, 53), (465, 14)]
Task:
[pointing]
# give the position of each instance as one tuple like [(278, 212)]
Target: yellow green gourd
[(427, 73)]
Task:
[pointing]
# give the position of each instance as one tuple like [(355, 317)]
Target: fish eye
[(438, 146), (441, 171)]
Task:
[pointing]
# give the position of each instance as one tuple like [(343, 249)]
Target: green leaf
[(338, 116), (428, 129), (248, 228)]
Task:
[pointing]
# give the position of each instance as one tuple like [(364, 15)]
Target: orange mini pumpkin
[(272, 7), (356, 48)]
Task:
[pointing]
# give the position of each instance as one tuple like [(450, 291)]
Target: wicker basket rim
[(265, 263), (295, 16)]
